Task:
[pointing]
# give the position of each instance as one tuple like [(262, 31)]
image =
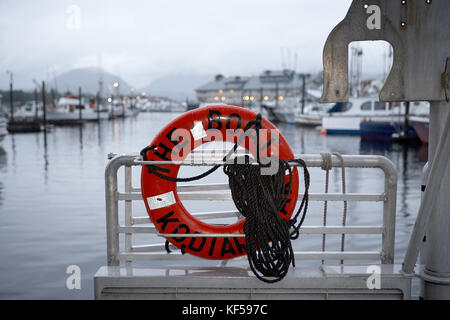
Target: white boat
[(3, 128), (122, 109), (67, 111), (28, 111), (313, 114), (345, 118), (289, 111)]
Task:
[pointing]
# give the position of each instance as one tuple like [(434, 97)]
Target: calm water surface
[(52, 211)]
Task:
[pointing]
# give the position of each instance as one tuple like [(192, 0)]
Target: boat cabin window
[(380, 106), (367, 106)]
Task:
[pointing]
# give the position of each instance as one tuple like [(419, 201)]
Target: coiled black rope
[(259, 198)]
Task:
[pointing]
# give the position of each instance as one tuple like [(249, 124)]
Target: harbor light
[(252, 98), (246, 98), (220, 91), (109, 100), (223, 99), (124, 101), (266, 98), (143, 94), (116, 84), (281, 98), (216, 98)]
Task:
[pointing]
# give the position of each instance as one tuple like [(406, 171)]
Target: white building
[(244, 91)]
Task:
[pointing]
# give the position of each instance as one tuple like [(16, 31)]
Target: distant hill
[(87, 79), (177, 86)]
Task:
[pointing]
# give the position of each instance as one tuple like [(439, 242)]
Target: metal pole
[(35, 104), (406, 122), (303, 92), (97, 104), (80, 116), (11, 100), (44, 107), (276, 95)]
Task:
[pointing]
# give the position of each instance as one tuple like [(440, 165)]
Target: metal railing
[(133, 224)]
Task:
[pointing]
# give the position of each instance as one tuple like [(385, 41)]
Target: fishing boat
[(70, 110)]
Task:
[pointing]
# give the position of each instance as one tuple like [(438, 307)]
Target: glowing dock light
[(216, 98), (252, 98), (281, 98), (266, 98), (116, 84), (109, 100), (223, 99)]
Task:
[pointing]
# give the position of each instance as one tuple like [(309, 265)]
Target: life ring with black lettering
[(173, 143)]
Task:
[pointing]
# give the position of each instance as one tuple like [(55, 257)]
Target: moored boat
[(3, 125), (345, 118), (421, 127)]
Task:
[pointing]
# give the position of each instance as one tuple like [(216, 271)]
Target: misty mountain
[(177, 86), (88, 80)]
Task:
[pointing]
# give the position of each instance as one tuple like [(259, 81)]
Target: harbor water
[(52, 205)]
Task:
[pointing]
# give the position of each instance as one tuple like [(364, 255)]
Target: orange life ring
[(160, 196)]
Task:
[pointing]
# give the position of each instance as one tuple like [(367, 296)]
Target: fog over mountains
[(175, 86)]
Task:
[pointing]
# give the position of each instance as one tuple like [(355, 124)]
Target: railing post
[(112, 207)]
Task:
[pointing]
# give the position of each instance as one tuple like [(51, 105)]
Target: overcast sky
[(143, 40)]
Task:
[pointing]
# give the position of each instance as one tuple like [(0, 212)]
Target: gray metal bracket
[(446, 80), (419, 32)]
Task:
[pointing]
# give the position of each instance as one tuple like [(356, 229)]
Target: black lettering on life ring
[(165, 220), (177, 229), (214, 120), (166, 151), (211, 247), (227, 247), (200, 247), (238, 124)]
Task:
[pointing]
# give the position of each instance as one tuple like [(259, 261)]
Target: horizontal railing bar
[(206, 215), (204, 187), (303, 230), (157, 247), (311, 160), (301, 255), (361, 197)]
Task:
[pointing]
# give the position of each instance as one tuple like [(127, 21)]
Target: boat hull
[(384, 130), (422, 128)]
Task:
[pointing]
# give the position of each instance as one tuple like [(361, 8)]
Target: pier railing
[(130, 225)]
